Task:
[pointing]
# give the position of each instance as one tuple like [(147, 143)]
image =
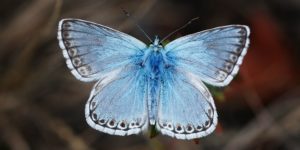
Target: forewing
[(214, 55), (186, 109), (92, 50), (117, 104)]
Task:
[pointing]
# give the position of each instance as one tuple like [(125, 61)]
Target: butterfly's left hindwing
[(118, 103)]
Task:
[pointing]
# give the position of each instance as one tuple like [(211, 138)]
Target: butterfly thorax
[(154, 59)]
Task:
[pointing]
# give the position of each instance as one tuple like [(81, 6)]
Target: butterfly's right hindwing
[(92, 50), (186, 109)]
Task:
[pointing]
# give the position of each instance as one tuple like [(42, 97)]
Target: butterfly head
[(156, 46)]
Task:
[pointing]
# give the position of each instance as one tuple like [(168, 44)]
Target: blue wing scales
[(186, 109), (179, 103), (214, 55), (118, 103), (92, 50)]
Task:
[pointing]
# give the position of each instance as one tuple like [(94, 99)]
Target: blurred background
[(42, 104)]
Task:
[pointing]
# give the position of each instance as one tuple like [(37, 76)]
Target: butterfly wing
[(214, 55), (117, 104), (92, 50), (186, 109)]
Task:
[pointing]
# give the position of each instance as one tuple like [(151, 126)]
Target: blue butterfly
[(162, 86)]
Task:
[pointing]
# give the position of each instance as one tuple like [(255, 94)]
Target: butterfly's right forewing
[(215, 55)]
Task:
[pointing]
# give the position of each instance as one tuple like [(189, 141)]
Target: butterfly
[(138, 86)]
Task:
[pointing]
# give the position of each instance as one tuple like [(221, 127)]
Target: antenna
[(135, 22), (196, 18)]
